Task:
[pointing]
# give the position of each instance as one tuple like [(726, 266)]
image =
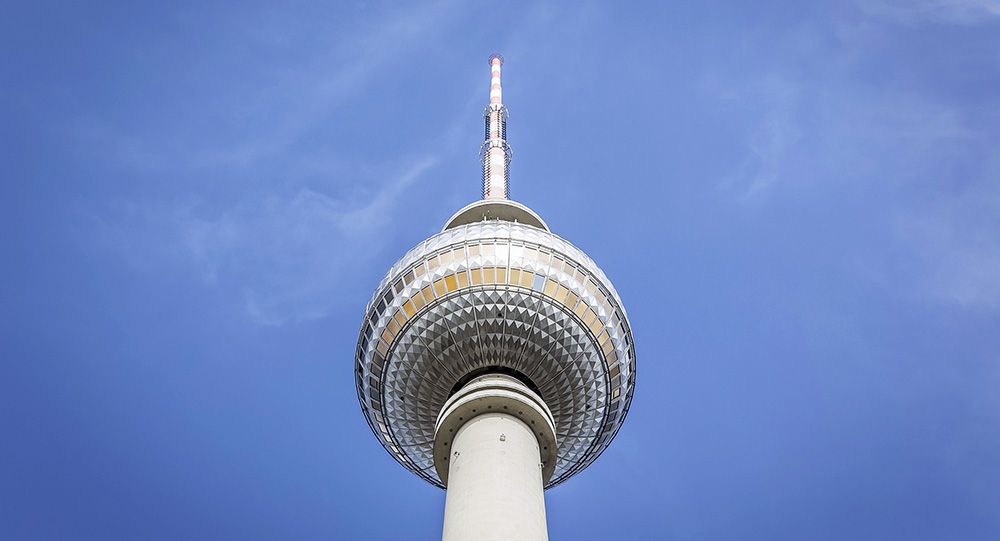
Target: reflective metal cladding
[(495, 294)]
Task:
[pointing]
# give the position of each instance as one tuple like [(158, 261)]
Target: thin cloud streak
[(283, 250), (827, 135), (281, 103), (314, 91), (910, 12), (287, 256), (955, 241)]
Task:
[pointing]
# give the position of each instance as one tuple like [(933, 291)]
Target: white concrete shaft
[(494, 482)]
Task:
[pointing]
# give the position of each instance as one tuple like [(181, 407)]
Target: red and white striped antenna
[(496, 91), (495, 152)]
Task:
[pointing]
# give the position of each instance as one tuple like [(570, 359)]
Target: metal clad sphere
[(495, 294)]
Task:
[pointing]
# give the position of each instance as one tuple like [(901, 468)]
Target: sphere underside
[(495, 295)]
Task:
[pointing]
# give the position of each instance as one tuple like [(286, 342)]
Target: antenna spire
[(495, 152)]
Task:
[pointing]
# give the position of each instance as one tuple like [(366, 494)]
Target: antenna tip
[(495, 58)]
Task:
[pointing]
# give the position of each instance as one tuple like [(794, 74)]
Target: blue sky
[(799, 203)]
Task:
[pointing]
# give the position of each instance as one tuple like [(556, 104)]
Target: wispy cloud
[(966, 12), (284, 245), (924, 159), (260, 115), (771, 141), (314, 90), (955, 242), (290, 254), (285, 255)]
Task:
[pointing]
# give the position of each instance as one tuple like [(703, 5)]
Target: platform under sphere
[(495, 296)]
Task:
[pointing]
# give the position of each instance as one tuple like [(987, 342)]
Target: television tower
[(495, 359)]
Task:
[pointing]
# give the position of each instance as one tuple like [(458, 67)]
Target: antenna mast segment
[(495, 152)]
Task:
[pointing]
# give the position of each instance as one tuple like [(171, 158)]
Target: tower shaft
[(494, 483), (493, 442)]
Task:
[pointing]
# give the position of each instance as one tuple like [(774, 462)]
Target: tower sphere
[(500, 296)]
